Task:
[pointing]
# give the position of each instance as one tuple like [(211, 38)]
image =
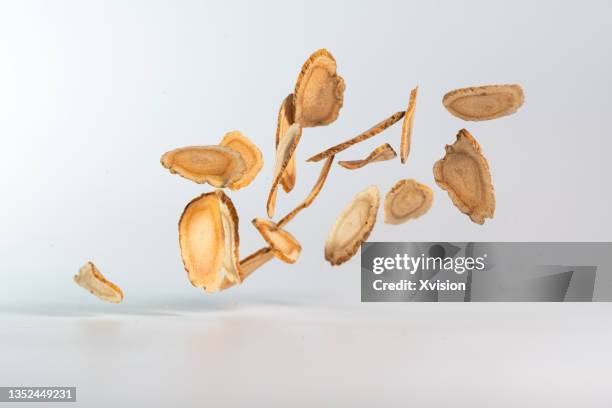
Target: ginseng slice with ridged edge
[(284, 245), (484, 102), (406, 200), (407, 126), (352, 227), (373, 131), (250, 154), (284, 153), (464, 173), (319, 91), (381, 153), (216, 165), (90, 278), (286, 118)]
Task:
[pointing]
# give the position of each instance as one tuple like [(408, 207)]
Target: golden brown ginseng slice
[(284, 153), (90, 278), (319, 91), (407, 199), (250, 264), (284, 245), (286, 118), (464, 173), (373, 131), (250, 154), (208, 237), (407, 126), (352, 227), (216, 165), (381, 153), (484, 102)]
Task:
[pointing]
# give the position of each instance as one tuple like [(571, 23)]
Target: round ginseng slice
[(284, 245), (250, 154), (406, 200), (352, 227), (484, 102)]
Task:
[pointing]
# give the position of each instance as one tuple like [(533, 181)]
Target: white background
[(93, 92)]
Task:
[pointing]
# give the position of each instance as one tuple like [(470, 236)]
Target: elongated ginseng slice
[(484, 102), (319, 91), (316, 189), (381, 153), (464, 173), (216, 165), (407, 126), (90, 278), (352, 227), (406, 200), (286, 118), (284, 245), (250, 154), (373, 131), (284, 153), (250, 264), (209, 240)]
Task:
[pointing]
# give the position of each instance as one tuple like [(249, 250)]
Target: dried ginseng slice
[(216, 165), (250, 264), (90, 278), (407, 199), (319, 91), (381, 153), (286, 118), (284, 153), (250, 154), (407, 126), (484, 102), (229, 220), (284, 245), (373, 131), (352, 227), (464, 173)]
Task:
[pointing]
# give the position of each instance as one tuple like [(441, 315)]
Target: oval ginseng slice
[(352, 227), (319, 91), (284, 245), (91, 279), (209, 240), (216, 165), (250, 154), (407, 199), (464, 173), (484, 102)]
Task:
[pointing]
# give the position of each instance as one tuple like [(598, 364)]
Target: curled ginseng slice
[(319, 91), (250, 154), (90, 278), (352, 227), (407, 199), (284, 153), (484, 102), (284, 245), (464, 173), (381, 153), (216, 165), (407, 126), (208, 237), (286, 118), (250, 264)]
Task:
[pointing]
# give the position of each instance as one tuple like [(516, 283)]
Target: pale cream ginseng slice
[(91, 279), (284, 245)]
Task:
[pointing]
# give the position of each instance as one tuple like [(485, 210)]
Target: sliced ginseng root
[(284, 245), (464, 173), (407, 199), (250, 264), (316, 189), (250, 154), (407, 126), (484, 102), (319, 91), (284, 153), (216, 165), (209, 241), (381, 153), (286, 118), (90, 278), (373, 131), (352, 227)]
